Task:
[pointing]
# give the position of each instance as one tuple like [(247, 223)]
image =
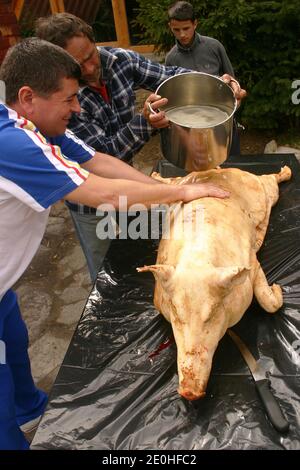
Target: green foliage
[(262, 41), (103, 25)]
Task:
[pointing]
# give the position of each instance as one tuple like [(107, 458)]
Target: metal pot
[(200, 110)]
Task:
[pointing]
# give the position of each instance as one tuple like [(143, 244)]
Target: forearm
[(107, 166), (96, 191)]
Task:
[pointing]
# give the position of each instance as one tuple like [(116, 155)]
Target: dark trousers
[(235, 148)]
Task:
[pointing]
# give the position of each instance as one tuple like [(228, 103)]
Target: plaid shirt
[(115, 127)]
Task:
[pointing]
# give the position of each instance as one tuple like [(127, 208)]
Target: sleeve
[(74, 147), (169, 59), (226, 66), (150, 74), (123, 144), (37, 172)]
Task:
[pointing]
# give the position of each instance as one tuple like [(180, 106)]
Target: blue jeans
[(93, 248), (20, 400)]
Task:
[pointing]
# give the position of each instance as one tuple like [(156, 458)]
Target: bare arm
[(111, 167), (96, 190)]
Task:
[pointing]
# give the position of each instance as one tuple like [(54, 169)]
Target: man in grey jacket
[(197, 52), (192, 50)]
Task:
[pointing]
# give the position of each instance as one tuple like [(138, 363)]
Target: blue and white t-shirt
[(35, 172)]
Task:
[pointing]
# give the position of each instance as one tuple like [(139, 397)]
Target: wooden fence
[(87, 10)]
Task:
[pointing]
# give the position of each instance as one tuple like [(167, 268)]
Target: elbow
[(115, 201), (112, 199), (106, 201)]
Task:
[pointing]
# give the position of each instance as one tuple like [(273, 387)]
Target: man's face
[(183, 30), (86, 54), (51, 115)]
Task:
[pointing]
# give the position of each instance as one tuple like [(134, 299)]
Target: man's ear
[(26, 97), (195, 23)]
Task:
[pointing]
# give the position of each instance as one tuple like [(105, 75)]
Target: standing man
[(108, 120), (40, 163), (197, 52)]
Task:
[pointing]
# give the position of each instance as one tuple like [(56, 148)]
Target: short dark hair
[(181, 11), (61, 27), (38, 64)]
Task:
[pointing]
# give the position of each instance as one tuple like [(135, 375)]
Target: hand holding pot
[(239, 92), (151, 112)]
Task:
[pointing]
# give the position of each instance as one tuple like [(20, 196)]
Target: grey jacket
[(204, 55)]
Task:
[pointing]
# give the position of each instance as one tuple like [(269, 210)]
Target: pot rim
[(209, 75)]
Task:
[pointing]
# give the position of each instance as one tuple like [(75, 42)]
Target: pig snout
[(186, 391), (193, 376)]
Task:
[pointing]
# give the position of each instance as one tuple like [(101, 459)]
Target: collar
[(196, 41), (21, 122), (107, 60)]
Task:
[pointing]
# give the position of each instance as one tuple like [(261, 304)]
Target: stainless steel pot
[(190, 142)]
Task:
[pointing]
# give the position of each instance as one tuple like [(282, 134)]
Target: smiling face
[(51, 114), (86, 54), (183, 31)]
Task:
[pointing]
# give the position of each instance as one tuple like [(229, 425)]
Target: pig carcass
[(205, 282)]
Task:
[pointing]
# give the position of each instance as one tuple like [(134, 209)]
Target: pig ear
[(232, 276), (161, 272)]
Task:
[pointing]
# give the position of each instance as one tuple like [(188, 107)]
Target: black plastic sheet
[(117, 386)]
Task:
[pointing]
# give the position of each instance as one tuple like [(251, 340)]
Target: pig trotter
[(269, 297)]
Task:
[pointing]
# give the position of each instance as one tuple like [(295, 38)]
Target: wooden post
[(57, 6), (121, 23), (18, 8), (61, 6)]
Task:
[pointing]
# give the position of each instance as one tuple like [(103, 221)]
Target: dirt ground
[(254, 141)]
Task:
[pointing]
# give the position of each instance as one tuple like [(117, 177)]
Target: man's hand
[(198, 190), (239, 93), (156, 119)]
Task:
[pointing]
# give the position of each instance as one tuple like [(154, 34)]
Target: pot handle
[(150, 109)]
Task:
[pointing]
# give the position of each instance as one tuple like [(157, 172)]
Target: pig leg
[(269, 297), (284, 174), (270, 184)]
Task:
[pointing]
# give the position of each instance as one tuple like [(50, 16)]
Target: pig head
[(205, 280)]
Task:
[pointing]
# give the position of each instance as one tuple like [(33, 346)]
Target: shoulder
[(172, 51), (211, 41), (171, 55), (16, 132), (122, 54)]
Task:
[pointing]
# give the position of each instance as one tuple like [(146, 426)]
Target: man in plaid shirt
[(108, 120)]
